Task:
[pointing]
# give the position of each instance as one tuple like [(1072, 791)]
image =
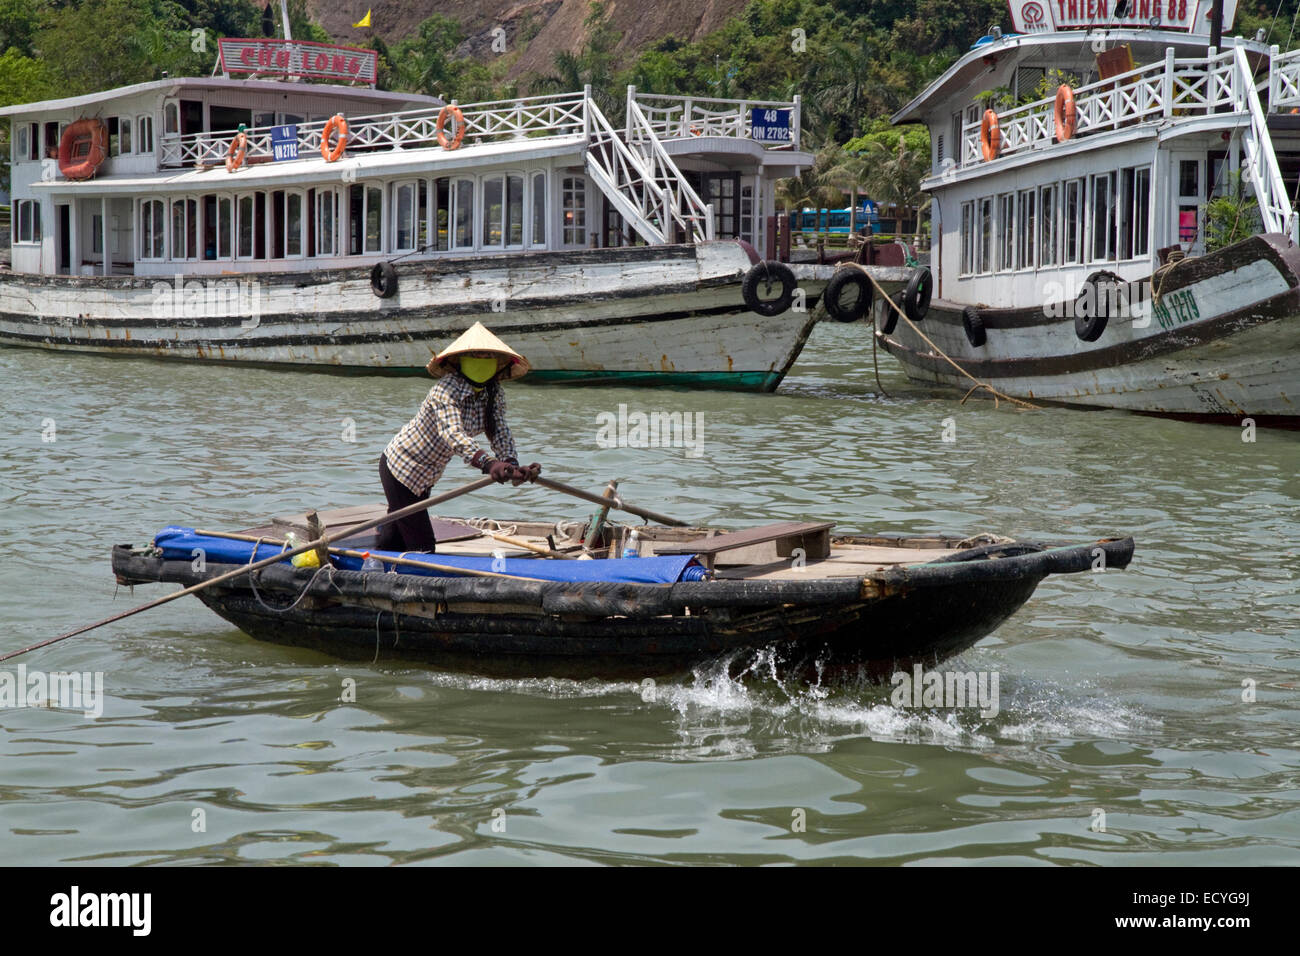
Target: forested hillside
[(853, 61)]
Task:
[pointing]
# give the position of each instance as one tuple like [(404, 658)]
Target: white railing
[(626, 182), (496, 121), (641, 180), (1265, 176), (689, 210), (1284, 80), (684, 117), (1171, 87)]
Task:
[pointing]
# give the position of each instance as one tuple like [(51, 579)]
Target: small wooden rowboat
[(490, 602)]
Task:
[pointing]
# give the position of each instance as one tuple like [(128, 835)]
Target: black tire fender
[(1092, 305), (766, 272), (887, 325), (916, 298), (383, 280), (842, 279), (973, 323)]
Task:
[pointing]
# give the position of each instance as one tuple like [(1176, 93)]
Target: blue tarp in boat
[(179, 544)]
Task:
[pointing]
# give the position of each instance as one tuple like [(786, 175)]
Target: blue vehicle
[(835, 220)]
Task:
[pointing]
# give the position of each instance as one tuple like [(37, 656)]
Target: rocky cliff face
[(540, 28)]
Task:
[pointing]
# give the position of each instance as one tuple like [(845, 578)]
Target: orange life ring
[(83, 148), (236, 151), (335, 124), (990, 135), (454, 111), (1066, 116)]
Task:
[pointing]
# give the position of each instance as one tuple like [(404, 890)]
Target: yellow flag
[(364, 22)]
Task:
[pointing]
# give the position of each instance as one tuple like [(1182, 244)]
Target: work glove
[(529, 473), (499, 471)]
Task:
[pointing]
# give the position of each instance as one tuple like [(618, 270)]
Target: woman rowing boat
[(466, 401)]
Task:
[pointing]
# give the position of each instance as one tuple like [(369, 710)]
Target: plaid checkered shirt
[(452, 413)]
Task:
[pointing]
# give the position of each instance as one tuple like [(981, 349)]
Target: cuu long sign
[(303, 58)]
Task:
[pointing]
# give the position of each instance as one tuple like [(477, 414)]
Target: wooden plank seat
[(812, 536)]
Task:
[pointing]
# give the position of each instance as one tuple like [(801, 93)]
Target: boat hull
[(807, 629), (1223, 341), (639, 315)]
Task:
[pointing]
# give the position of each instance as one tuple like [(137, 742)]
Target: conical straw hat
[(478, 339)]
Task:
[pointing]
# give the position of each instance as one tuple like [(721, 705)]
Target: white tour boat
[(1071, 256), (256, 217)]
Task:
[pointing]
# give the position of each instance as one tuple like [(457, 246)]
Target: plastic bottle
[(369, 563), (308, 559), (632, 547)]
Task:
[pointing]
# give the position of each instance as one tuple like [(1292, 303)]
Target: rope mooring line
[(942, 354)]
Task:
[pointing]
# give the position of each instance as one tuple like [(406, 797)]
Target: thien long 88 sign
[(322, 61), (1047, 16)]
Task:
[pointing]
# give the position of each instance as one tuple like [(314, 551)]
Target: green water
[(1120, 692)]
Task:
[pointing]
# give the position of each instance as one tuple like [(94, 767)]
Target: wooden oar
[(614, 501), (326, 540)]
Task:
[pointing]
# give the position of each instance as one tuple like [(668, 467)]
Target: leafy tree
[(1231, 217), (23, 79)]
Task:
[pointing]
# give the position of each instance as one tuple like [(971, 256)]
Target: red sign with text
[(321, 61), (1047, 16)]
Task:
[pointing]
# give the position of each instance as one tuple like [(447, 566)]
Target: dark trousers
[(412, 533)]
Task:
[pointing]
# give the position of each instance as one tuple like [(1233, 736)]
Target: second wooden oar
[(614, 501), (325, 541)]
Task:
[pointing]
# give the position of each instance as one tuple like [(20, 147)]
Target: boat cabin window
[(53, 133), (407, 201), (539, 209), (967, 238), (1135, 212), (185, 229), (747, 213), (153, 229), (574, 210), (327, 214), (1026, 228), (984, 262), (1007, 227), (225, 222), (119, 135), (373, 205), (442, 213), (1103, 217), (27, 218), (144, 124), (503, 211), (462, 199), (27, 144), (245, 245), (1047, 208), (1073, 231), (171, 117)]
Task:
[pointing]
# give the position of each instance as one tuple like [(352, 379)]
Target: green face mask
[(478, 370)]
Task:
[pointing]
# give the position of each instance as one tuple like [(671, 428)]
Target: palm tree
[(896, 178), (844, 172)]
